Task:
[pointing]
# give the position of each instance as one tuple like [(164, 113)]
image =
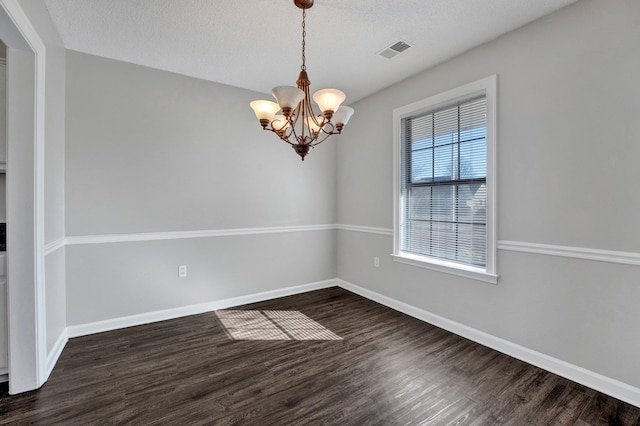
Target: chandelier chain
[(304, 34)]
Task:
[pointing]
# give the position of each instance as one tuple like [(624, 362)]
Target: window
[(445, 181)]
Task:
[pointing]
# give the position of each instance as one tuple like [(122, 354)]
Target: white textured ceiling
[(255, 44)]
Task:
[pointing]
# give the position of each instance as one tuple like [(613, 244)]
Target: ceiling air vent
[(397, 47)]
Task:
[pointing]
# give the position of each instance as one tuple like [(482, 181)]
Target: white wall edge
[(175, 235), (366, 229), (56, 351), (607, 385), (167, 314), (53, 246), (30, 35), (627, 258)]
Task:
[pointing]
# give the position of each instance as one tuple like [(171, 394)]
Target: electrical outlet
[(182, 271), (376, 262)]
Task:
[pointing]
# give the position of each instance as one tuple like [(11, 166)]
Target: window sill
[(447, 267)]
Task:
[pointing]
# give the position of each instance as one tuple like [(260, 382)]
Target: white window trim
[(488, 87)]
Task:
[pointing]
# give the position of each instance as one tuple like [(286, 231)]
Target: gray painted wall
[(3, 134), (109, 281), (152, 151), (55, 300), (567, 162)]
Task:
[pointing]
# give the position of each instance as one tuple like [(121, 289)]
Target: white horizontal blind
[(444, 183)]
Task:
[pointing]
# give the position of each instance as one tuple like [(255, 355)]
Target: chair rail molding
[(612, 256), (177, 235), (54, 245)]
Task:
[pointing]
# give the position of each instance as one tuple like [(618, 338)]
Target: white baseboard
[(149, 317), (56, 351), (609, 386)]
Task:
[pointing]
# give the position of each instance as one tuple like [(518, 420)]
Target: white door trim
[(17, 316)]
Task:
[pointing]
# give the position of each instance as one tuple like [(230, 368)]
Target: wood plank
[(388, 369)]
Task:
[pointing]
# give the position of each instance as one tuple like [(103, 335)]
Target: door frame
[(26, 285)]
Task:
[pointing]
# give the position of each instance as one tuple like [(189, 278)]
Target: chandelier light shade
[(293, 118)]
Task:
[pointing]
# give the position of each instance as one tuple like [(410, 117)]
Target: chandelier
[(298, 124)]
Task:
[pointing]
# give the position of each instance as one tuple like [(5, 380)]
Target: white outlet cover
[(182, 271)]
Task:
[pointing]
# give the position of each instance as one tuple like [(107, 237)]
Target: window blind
[(444, 183)]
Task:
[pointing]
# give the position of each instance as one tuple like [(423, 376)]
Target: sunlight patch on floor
[(272, 325)]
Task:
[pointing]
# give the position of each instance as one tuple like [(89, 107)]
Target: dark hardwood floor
[(388, 369)]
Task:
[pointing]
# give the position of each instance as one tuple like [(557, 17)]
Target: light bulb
[(315, 128), (342, 115), (265, 110), (288, 97), (329, 99)]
